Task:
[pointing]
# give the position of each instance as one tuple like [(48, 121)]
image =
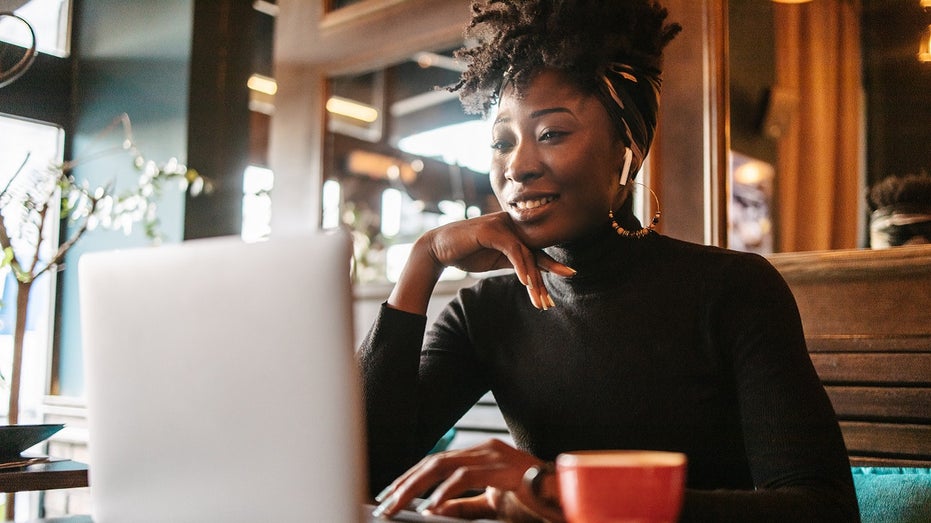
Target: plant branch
[(43, 214), (15, 174), (5, 243), (64, 247), (128, 143)]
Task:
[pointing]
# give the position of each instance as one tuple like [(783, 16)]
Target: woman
[(608, 335)]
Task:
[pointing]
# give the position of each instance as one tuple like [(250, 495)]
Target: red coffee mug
[(614, 486)]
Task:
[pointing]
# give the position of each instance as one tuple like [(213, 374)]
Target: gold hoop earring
[(643, 231)]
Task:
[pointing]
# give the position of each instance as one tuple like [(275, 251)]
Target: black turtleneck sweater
[(654, 344)]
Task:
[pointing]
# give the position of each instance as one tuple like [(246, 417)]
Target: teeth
[(533, 204)]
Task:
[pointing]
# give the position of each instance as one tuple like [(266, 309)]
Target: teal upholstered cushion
[(444, 441), (890, 494)]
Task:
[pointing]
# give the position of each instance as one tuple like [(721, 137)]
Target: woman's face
[(556, 162)]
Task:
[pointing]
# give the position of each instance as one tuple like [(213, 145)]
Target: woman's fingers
[(529, 266), (453, 473), (492, 242), (497, 468), (431, 471), (493, 504), (528, 271), (548, 264), (474, 507), (464, 479)]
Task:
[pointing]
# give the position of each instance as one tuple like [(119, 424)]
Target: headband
[(631, 98)]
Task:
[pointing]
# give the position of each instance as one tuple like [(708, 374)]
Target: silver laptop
[(221, 383)]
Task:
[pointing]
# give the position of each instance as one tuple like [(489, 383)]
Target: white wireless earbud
[(628, 157)]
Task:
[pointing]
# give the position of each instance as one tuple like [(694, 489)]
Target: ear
[(625, 172)]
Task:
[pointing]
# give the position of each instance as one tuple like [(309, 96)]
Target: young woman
[(608, 335)]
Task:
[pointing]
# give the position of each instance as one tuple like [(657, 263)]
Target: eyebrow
[(538, 113), (542, 112)]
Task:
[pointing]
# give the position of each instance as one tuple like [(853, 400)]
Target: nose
[(523, 164)]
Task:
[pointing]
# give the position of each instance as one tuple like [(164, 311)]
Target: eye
[(500, 145), (552, 135)]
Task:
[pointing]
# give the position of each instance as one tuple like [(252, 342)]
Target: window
[(51, 21), (257, 185), (402, 158), (38, 144)]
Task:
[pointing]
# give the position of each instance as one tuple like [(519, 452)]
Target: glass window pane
[(51, 21), (39, 145), (257, 203)]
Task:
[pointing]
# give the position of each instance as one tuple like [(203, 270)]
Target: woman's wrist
[(418, 278), (542, 483), (540, 491)]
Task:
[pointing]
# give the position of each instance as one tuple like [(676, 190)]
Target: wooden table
[(55, 474)]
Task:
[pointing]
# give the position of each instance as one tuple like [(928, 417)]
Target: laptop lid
[(221, 381)]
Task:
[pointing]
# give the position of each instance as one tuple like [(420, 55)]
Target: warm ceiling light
[(380, 166), (351, 109), (262, 84), (924, 48), (754, 172)]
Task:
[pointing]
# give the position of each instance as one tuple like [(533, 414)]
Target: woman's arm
[(389, 360), (793, 443), (414, 393)]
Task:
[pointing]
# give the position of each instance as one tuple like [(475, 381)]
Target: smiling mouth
[(526, 205)]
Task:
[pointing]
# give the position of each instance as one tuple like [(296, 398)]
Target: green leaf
[(7, 257)]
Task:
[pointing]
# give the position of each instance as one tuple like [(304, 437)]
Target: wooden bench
[(867, 320)]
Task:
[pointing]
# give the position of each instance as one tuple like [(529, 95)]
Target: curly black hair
[(901, 210), (517, 38), (908, 189)]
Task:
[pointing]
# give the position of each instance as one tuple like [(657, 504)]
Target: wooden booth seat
[(867, 320)]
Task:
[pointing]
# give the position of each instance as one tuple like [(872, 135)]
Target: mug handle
[(531, 493)]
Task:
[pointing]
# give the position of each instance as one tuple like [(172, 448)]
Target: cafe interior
[(777, 119)]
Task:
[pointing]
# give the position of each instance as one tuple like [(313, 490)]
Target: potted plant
[(27, 202)]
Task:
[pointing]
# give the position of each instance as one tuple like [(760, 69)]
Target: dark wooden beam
[(219, 120)]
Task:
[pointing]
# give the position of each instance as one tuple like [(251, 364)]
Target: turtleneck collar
[(599, 257)]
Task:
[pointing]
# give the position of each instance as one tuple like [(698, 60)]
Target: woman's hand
[(493, 466), (479, 244)]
